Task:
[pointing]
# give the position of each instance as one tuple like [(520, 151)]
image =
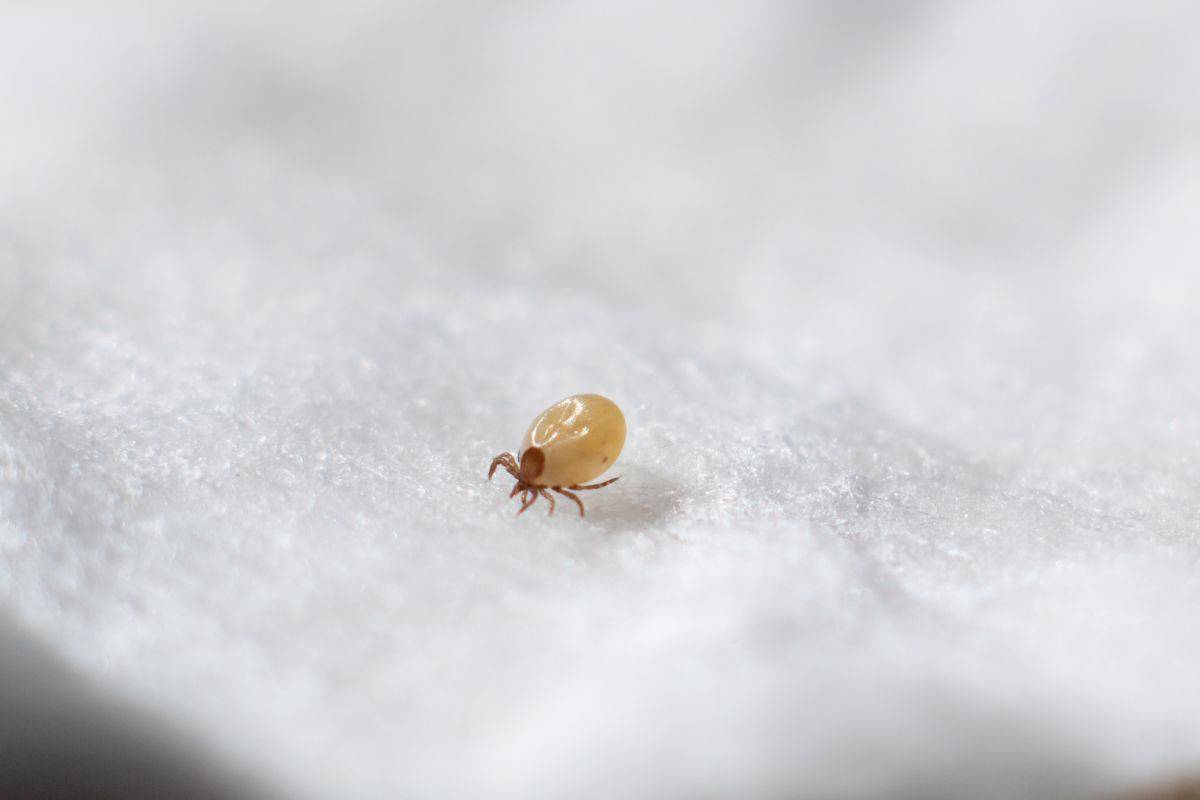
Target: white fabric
[(899, 301)]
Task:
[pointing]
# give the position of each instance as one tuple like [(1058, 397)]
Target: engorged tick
[(571, 442)]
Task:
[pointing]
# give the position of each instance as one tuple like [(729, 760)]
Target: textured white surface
[(899, 301)]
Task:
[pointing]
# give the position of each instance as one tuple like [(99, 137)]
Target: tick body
[(570, 443)]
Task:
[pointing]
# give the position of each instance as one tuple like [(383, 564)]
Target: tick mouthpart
[(533, 462)]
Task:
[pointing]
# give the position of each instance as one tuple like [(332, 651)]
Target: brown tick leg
[(517, 487), (505, 460), (596, 485), (549, 498), (497, 461), (574, 497), (532, 499)]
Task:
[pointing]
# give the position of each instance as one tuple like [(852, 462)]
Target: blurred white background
[(899, 299)]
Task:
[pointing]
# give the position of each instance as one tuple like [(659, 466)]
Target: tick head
[(533, 461)]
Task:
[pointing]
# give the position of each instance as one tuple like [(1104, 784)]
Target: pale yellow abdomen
[(577, 439)]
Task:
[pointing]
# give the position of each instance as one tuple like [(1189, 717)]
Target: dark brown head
[(533, 461)]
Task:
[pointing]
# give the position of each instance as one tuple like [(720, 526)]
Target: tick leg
[(549, 498), (571, 495), (506, 460), (532, 499), (517, 487), (596, 485)]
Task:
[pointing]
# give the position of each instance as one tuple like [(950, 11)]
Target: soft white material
[(899, 301)]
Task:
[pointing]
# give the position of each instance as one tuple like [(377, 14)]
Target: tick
[(568, 444)]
